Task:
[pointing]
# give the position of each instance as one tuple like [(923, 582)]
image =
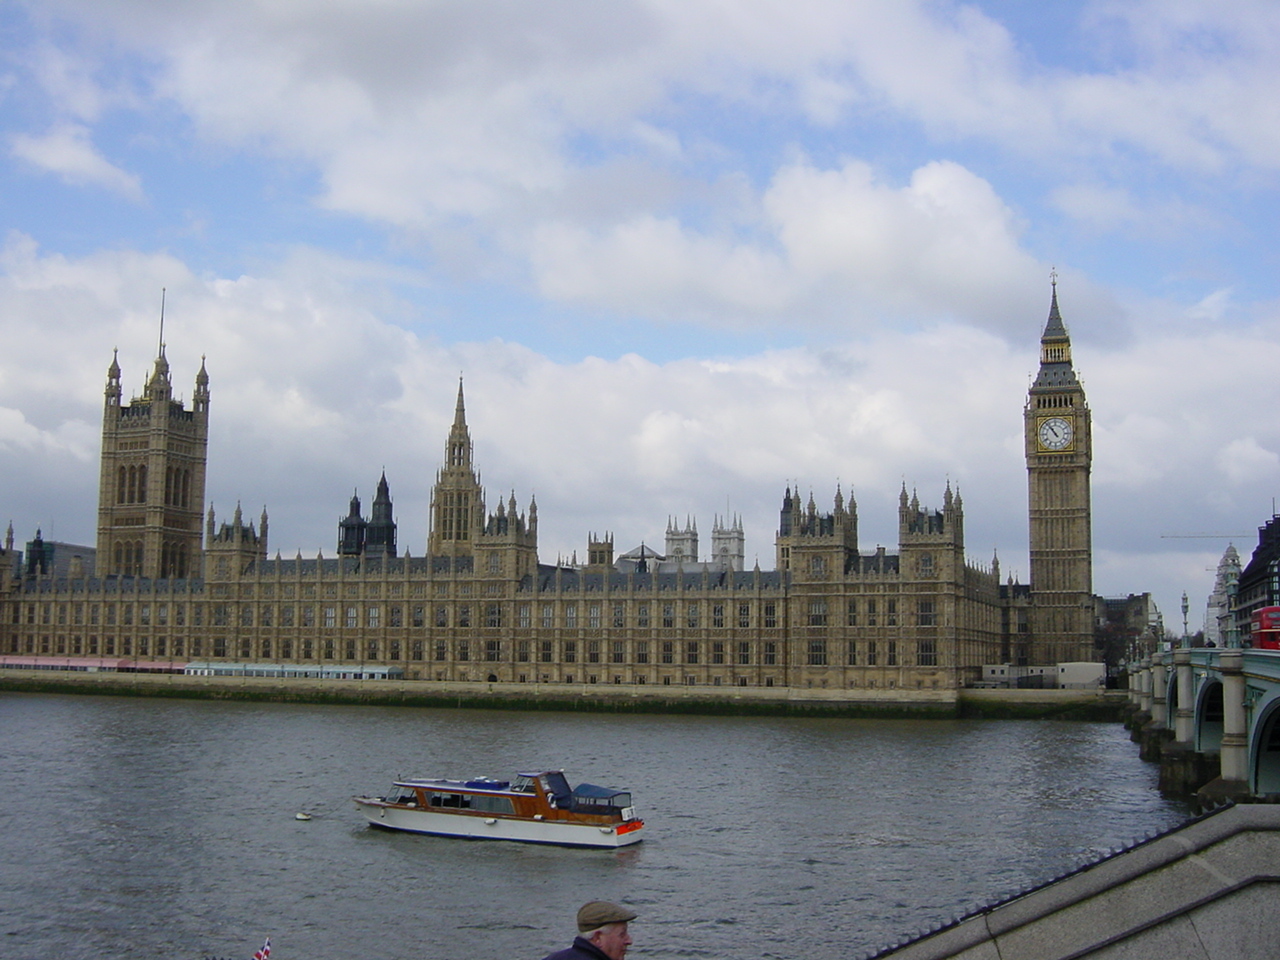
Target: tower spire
[(160, 351)]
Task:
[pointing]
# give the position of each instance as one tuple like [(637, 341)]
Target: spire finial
[(161, 351)]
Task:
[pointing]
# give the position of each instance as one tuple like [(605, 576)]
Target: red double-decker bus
[(1264, 628)]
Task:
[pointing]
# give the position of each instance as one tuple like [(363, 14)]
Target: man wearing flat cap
[(602, 933)]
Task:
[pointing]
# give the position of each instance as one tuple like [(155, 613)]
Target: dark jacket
[(581, 950)]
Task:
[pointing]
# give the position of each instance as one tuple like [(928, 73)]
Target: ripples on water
[(167, 828)]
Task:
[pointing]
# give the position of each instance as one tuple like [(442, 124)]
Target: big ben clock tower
[(1059, 450)]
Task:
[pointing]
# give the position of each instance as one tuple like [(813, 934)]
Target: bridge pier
[(1183, 770), (1232, 782), (1155, 732)]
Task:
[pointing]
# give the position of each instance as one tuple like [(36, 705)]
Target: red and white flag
[(264, 952)]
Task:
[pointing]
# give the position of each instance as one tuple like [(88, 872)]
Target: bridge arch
[(1209, 717), (1265, 749)]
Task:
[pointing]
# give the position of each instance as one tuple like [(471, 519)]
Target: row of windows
[(353, 616), (819, 566), (872, 653), (691, 652)]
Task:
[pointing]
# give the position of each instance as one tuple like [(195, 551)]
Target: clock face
[(1055, 433)]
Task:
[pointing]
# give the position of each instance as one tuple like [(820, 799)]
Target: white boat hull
[(392, 817)]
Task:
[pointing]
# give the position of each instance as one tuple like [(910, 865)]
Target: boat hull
[(522, 830)]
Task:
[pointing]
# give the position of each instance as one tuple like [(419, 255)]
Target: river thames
[(166, 828)]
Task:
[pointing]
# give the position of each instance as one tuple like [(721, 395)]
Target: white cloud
[(1245, 460), (834, 245), (68, 151)]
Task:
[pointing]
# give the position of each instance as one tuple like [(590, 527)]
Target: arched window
[(185, 501), (133, 486), (122, 485), (142, 484)]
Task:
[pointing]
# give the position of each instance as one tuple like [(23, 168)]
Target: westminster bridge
[(1211, 718)]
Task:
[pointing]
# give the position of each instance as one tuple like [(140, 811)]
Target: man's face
[(613, 940)]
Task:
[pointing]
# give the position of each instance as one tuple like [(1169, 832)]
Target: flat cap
[(597, 913)]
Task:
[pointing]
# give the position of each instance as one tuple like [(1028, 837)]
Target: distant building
[(55, 558), (1217, 614), (1259, 584)]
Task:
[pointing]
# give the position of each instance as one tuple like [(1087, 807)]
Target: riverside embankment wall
[(610, 698)]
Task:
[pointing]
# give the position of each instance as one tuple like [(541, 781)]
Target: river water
[(166, 828)]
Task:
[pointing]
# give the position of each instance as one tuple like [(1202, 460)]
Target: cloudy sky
[(684, 253)]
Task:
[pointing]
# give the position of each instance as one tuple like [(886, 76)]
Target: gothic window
[(397, 617), (717, 651), (493, 650), (372, 649), (668, 651), (891, 654), (925, 616), (871, 616), (818, 566), (373, 617), (744, 652), (570, 651), (571, 616), (122, 486), (548, 616), (545, 651), (717, 616), (818, 613), (927, 653), (668, 615), (770, 615), (852, 617), (926, 564), (306, 650), (691, 615), (492, 615), (817, 653), (891, 613), (266, 649), (464, 615), (495, 563), (871, 653), (417, 649), (351, 650), (442, 650), (642, 651), (593, 616), (618, 616), (642, 616), (770, 654), (593, 651), (142, 484), (522, 651), (330, 617), (352, 617), (246, 616), (744, 615), (853, 654), (264, 617), (619, 652)]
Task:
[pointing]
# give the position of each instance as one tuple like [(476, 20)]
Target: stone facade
[(481, 607)]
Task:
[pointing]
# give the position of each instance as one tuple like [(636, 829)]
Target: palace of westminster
[(168, 585)]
